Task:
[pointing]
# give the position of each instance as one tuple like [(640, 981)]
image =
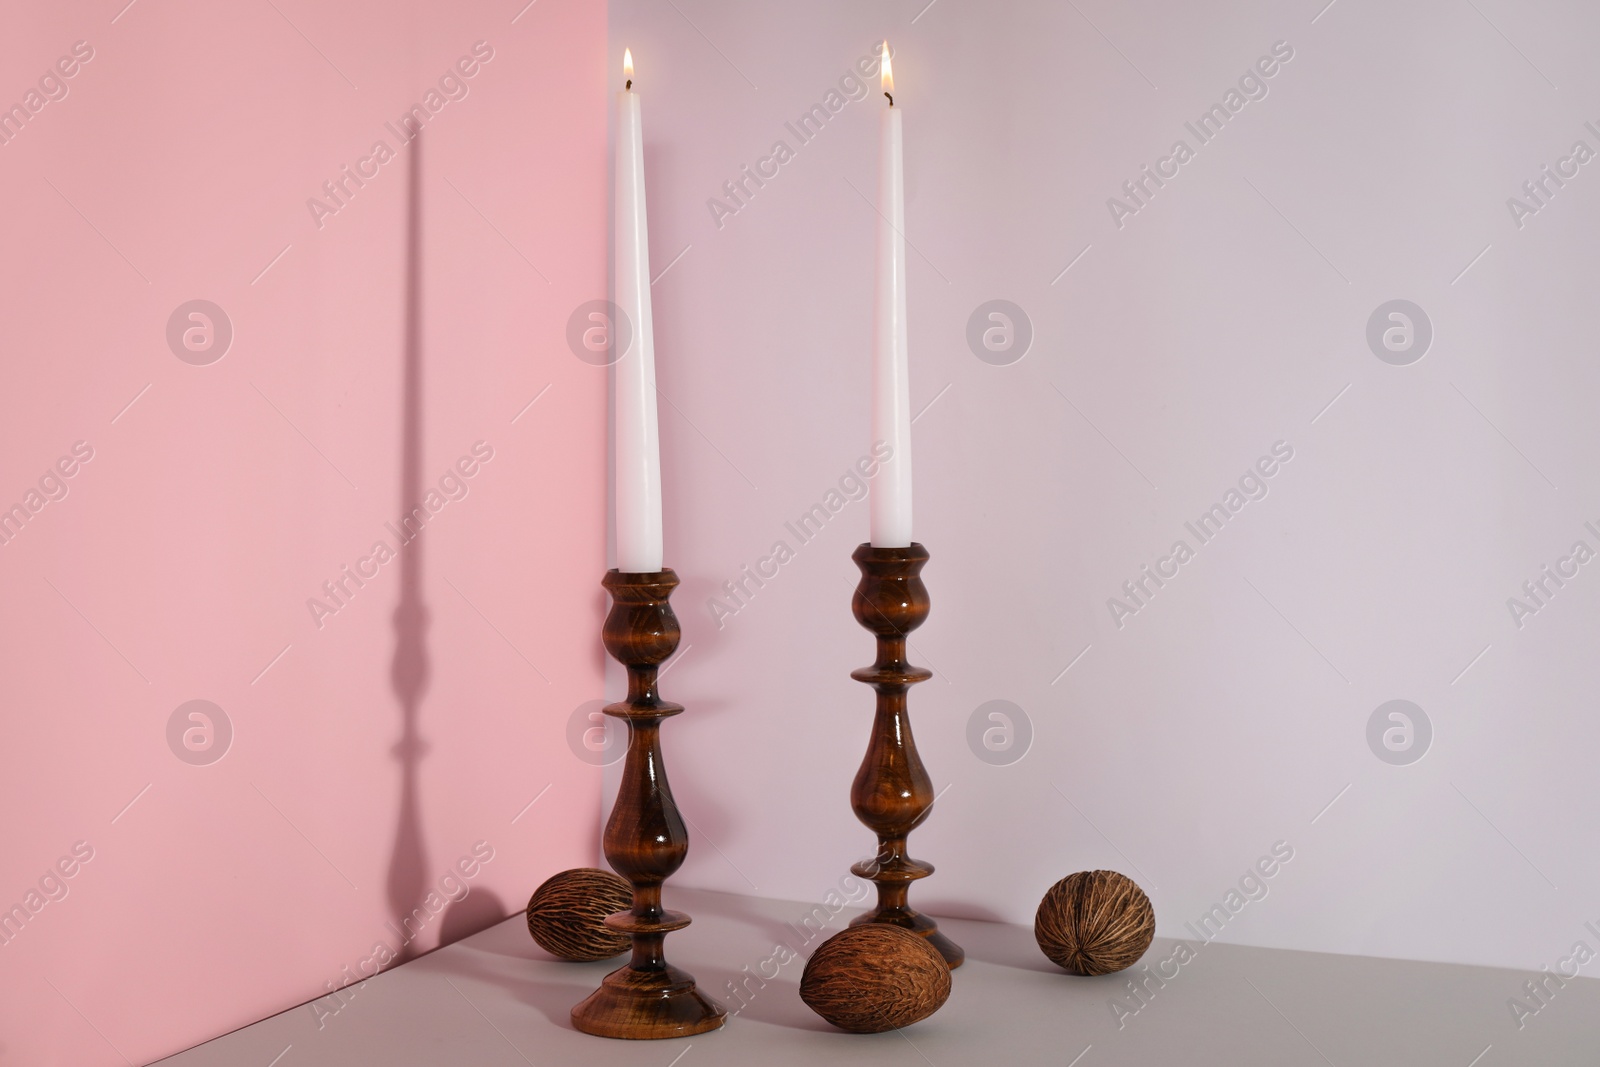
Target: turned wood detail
[(892, 792), (645, 840)]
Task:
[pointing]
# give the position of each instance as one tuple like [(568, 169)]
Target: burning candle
[(891, 394), (638, 448)]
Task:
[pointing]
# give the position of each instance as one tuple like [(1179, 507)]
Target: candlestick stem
[(892, 793), (645, 840)]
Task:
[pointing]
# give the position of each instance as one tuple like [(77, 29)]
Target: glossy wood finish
[(645, 840), (892, 792)]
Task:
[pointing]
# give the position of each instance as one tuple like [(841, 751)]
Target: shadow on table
[(506, 956), (741, 985), (800, 933), (750, 998), (985, 940), (1003, 945), (474, 913), (551, 991)]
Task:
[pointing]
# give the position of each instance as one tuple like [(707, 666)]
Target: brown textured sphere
[(1094, 922), (872, 978), (565, 913)]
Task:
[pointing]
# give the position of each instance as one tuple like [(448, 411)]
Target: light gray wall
[(1228, 314)]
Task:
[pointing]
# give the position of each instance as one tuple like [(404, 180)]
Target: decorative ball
[(1094, 922), (871, 978), (565, 914)]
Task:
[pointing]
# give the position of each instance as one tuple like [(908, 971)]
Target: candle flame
[(887, 80), (627, 63)]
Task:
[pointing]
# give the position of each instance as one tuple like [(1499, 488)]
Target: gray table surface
[(496, 999)]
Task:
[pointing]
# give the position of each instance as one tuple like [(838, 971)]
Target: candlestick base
[(892, 793), (648, 1005), (645, 839)]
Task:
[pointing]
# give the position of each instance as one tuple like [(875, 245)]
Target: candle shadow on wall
[(408, 674), (412, 883)]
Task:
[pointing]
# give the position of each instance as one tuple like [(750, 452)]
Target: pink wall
[(219, 497)]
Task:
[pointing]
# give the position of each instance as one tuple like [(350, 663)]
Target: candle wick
[(891, 99), (629, 85)]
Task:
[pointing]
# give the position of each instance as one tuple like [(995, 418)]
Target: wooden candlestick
[(645, 839), (892, 792)]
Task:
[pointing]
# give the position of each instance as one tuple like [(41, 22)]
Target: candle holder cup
[(645, 840), (892, 793)]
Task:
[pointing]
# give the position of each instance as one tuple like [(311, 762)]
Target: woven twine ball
[(1094, 922), (565, 914), (872, 978)]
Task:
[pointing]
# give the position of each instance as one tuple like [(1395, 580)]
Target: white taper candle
[(638, 449), (891, 392)]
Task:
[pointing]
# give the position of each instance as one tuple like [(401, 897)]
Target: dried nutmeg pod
[(875, 977), (1094, 922), (566, 914)]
